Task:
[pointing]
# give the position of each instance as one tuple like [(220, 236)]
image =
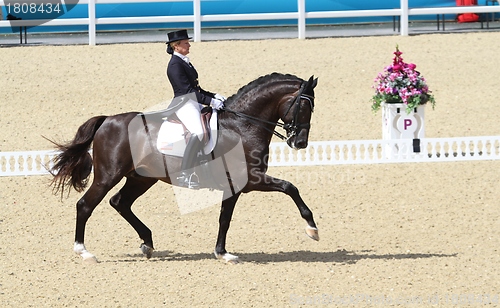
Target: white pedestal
[(397, 125)]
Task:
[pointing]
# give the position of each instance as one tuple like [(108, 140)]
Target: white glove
[(219, 97), (217, 104)]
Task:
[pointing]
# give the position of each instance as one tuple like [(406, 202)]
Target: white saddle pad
[(171, 138)]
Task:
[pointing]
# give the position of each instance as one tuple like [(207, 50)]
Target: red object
[(466, 2), (467, 17)]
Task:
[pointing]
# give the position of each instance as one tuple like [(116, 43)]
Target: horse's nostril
[(301, 144)]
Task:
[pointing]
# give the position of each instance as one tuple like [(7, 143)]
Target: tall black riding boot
[(187, 177)]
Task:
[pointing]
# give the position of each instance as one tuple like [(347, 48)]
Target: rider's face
[(183, 47)]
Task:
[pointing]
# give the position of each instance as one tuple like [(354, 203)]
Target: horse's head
[(296, 114), (266, 100)]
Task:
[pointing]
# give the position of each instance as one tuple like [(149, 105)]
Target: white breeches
[(189, 114)]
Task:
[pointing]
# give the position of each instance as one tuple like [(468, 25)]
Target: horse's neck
[(262, 106), (264, 112), (257, 109)]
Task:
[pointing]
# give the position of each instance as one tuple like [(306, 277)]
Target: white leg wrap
[(229, 258), (79, 249)]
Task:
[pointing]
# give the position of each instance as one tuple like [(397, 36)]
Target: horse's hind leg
[(226, 213), (84, 208), (122, 202)]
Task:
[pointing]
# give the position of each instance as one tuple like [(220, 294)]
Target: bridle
[(291, 128)]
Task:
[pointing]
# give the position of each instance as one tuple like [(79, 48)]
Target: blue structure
[(209, 7)]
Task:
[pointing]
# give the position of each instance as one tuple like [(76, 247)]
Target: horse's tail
[(73, 165)]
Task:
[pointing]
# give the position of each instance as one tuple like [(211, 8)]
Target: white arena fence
[(301, 15), (318, 153)]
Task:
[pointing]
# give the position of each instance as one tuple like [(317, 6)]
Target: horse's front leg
[(263, 182), (227, 208)]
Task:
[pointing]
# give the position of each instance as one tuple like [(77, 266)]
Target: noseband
[(291, 128)]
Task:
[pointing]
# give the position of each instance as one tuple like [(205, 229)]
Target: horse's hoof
[(148, 251), (229, 258), (312, 233), (234, 261), (90, 260)]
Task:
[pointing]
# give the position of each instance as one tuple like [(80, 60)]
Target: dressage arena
[(402, 234)]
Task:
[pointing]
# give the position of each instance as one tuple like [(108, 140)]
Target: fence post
[(404, 17), (302, 18), (91, 7), (197, 20)]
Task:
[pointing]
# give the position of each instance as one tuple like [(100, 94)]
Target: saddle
[(173, 134), (206, 115)]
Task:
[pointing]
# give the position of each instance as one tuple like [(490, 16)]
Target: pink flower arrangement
[(401, 83)]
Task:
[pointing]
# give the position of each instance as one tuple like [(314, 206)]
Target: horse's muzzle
[(298, 142)]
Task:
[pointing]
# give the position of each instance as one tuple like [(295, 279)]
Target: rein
[(290, 128)]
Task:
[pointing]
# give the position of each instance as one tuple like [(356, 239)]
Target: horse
[(250, 117)]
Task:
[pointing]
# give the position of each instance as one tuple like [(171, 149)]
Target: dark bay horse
[(250, 116)]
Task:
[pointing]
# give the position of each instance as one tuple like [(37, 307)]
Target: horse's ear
[(312, 82)]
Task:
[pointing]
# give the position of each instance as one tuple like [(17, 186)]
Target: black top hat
[(177, 36)]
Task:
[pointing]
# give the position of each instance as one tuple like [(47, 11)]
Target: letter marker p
[(407, 123)]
